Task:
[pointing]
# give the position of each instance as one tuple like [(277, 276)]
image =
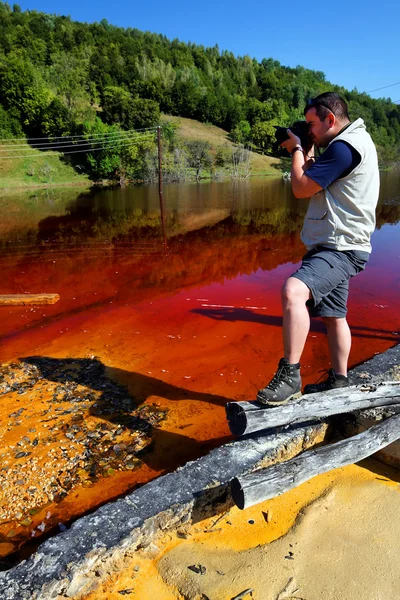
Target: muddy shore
[(157, 555)]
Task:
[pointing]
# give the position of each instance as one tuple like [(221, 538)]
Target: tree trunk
[(271, 482), (248, 417)]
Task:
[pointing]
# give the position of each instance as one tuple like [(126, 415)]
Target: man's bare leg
[(286, 383), (339, 341), (296, 320)]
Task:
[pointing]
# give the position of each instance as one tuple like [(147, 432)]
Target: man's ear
[(331, 119)]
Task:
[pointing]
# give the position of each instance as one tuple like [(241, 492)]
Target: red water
[(188, 331), (221, 297)]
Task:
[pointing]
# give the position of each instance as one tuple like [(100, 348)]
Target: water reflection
[(132, 214), (181, 331), (110, 240)]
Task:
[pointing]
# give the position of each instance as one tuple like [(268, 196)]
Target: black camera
[(299, 128)]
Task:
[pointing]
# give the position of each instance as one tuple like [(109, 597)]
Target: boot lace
[(280, 377), (330, 377)]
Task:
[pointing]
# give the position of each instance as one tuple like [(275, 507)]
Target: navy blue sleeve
[(338, 160)]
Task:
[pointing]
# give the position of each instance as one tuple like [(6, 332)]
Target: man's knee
[(295, 291), (334, 322)]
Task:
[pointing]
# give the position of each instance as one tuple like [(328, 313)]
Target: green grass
[(189, 129), (49, 169), (31, 170)]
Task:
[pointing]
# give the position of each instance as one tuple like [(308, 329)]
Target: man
[(344, 186)]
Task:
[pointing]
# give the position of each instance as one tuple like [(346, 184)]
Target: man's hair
[(326, 103)]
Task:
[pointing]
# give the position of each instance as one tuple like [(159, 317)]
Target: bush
[(223, 156), (9, 127)]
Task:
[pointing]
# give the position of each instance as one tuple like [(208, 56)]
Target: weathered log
[(264, 484), (22, 299), (248, 417)]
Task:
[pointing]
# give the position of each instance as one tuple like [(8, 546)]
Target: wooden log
[(264, 484), (22, 299), (248, 417)]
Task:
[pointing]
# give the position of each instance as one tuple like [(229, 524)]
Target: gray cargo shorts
[(327, 272)]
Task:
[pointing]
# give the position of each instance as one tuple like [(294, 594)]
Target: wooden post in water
[(264, 484), (160, 191), (248, 417)]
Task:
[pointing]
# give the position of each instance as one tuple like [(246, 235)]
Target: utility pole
[(160, 192)]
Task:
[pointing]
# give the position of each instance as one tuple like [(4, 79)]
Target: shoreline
[(114, 183), (94, 184), (102, 548), (41, 186)]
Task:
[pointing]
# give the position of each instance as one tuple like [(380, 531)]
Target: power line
[(109, 147), (47, 151), (72, 144), (25, 139), (383, 88), (66, 140)]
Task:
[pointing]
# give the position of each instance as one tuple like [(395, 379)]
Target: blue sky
[(354, 43)]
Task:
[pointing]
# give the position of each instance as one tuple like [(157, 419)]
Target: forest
[(106, 86)]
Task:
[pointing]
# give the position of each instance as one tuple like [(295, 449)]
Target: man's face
[(319, 130)]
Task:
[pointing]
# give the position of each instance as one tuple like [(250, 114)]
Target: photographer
[(343, 184)]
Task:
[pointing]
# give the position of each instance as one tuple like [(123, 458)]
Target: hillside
[(32, 170), (95, 81), (23, 166), (190, 129)]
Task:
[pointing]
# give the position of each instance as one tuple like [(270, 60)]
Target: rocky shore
[(65, 426)]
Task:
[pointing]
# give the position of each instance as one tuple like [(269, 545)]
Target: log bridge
[(249, 417)]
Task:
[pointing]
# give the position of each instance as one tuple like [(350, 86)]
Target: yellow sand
[(335, 537)]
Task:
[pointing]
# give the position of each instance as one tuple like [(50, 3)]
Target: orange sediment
[(265, 547), (181, 334)]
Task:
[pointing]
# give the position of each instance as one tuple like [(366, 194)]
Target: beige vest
[(342, 216)]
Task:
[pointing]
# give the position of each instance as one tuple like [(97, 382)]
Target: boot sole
[(306, 391), (280, 402)]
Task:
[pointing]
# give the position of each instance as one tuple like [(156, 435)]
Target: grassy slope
[(33, 170), (50, 170), (189, 129)]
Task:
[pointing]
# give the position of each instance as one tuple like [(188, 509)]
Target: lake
[(180, 332)]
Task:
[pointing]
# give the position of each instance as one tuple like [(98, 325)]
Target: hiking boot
[(285, 384), (333, 382)]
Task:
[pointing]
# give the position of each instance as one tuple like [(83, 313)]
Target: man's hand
[(293, 141), (302, 186)]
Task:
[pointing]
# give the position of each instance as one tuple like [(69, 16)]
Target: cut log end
[(261, 485), (237, 493), (236, 418)]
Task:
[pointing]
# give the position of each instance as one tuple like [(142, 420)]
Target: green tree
[(116, 106), (130, 113), (104, 161), (127, 76), (9, 126), (263, 134), (241, 133), (199, 156), (170, 135), (56, 119), (23, 91), (145, 113), (223, 156), (68, 78)]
